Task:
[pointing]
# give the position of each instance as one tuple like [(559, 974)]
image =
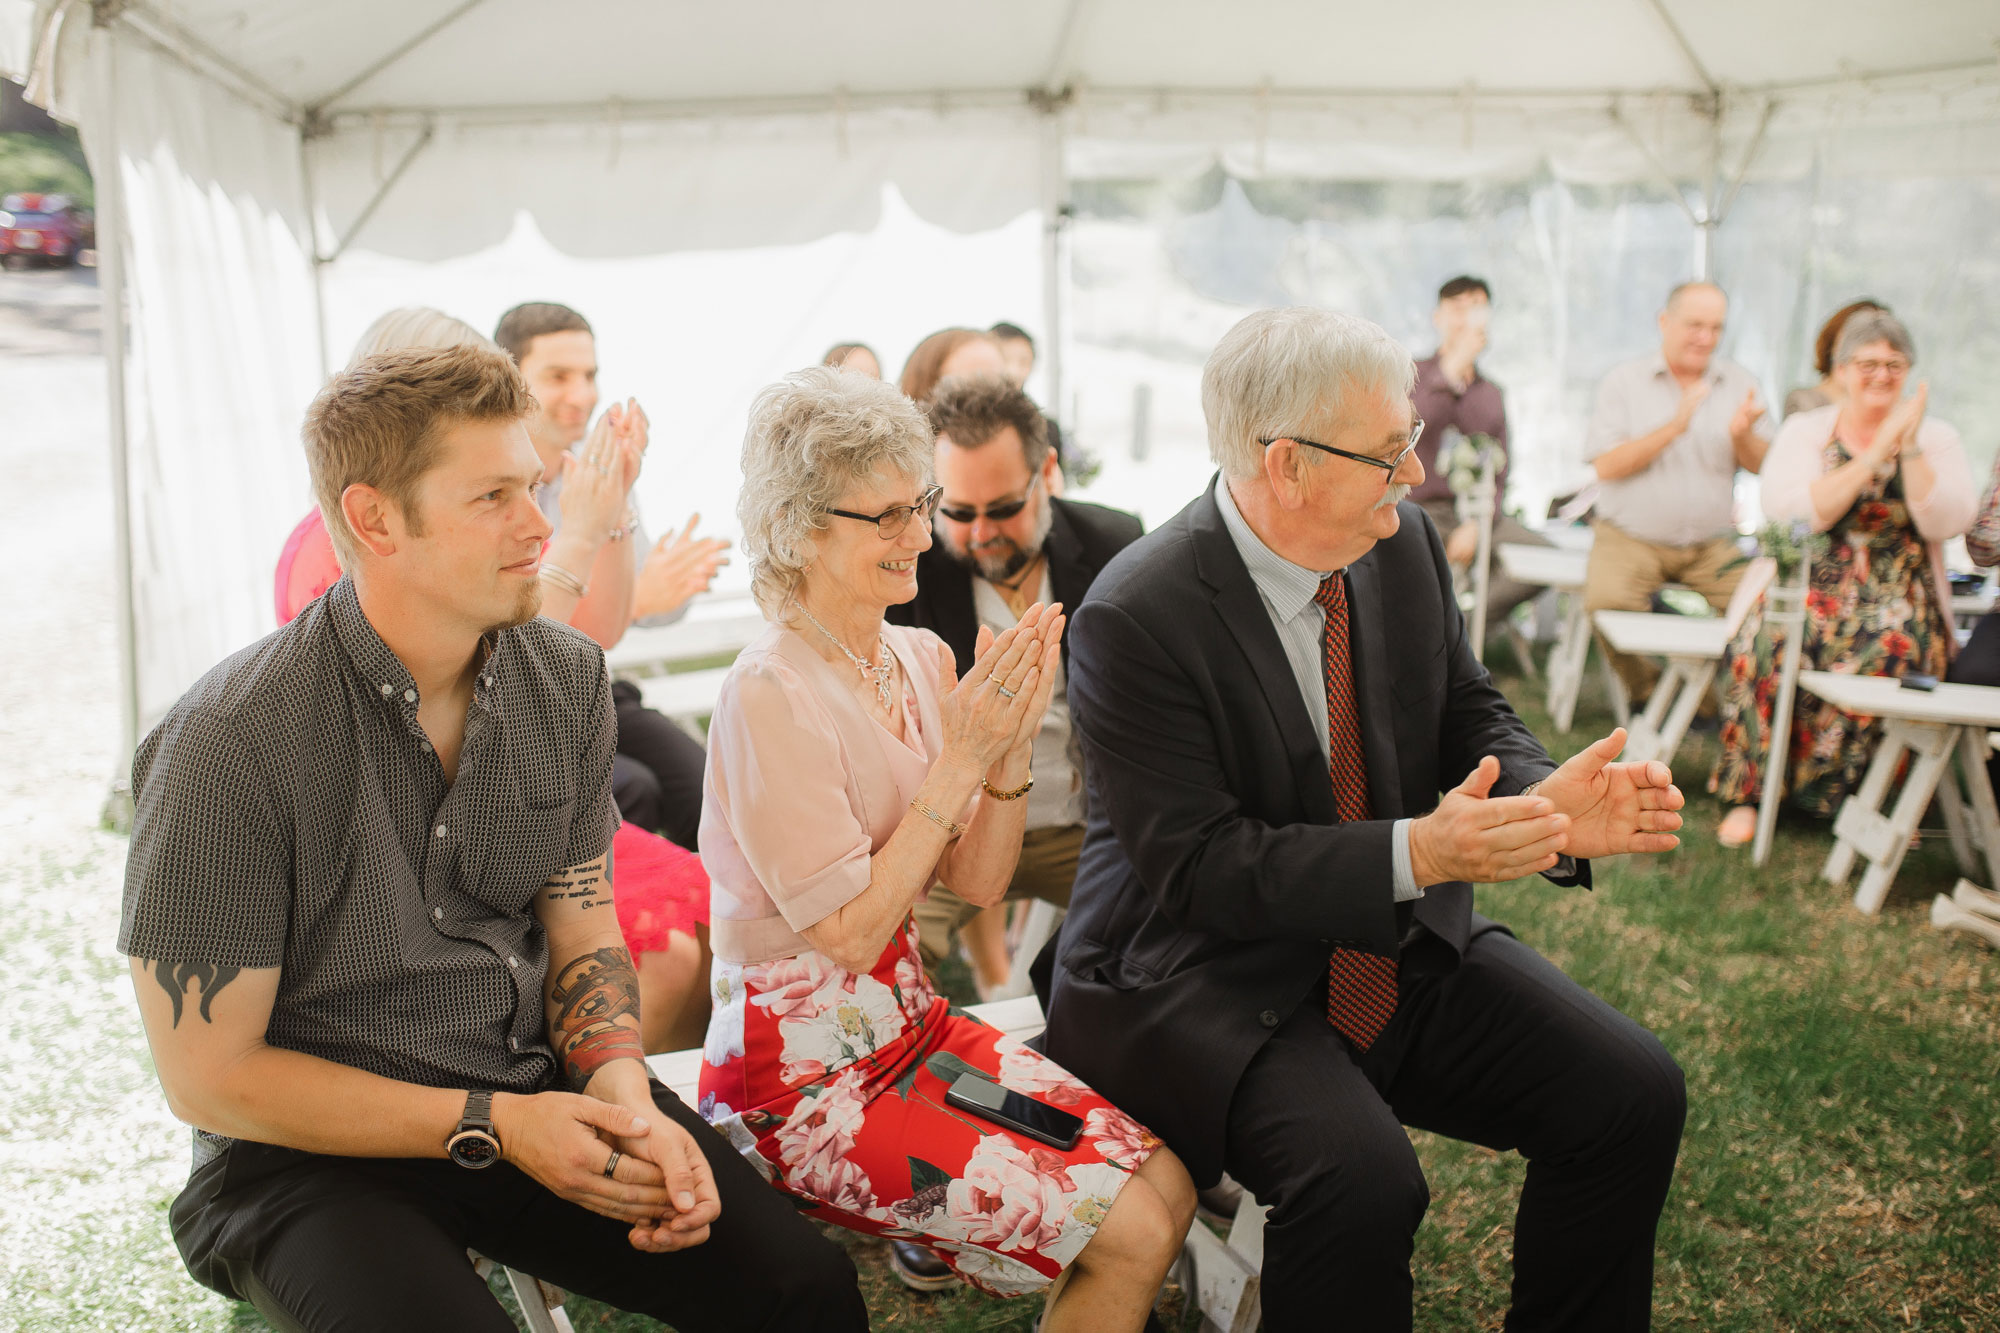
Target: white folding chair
[(1785, 612), (1693, 646)]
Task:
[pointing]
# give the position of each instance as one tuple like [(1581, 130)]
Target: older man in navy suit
[(1297, 770)]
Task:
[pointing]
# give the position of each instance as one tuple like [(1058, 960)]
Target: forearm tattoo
[(588, 886), (587, 999), (176, 978)]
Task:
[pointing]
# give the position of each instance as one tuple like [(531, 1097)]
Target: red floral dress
[(832, 1082)]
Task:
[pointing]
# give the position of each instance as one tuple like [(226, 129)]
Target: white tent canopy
[(241, 150)]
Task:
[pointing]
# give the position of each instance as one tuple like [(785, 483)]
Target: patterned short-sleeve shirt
[(292, 814)]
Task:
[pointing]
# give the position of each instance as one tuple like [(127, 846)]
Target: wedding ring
[(1002, 688), (612, 1165)]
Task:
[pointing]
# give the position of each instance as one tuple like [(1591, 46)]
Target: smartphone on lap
[(980, 1096)]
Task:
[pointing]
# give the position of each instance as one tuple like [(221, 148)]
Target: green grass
[(1837, 1172)]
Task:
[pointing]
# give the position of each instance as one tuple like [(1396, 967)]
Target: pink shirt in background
[(1797, 459), (307, 567), (804, 786)]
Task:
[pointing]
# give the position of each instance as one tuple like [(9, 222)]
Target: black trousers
[(656, 774), (1978, 663), (325, 1244), (1503, 1051)]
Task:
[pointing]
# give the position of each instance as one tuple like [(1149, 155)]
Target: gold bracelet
[(953, 829), (1014, 795)]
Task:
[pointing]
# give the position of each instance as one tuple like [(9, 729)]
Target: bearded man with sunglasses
[(1005, 542), (1297, 771)]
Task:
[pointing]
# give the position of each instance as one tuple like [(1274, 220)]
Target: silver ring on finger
[(1003, 689), (612, 1165)]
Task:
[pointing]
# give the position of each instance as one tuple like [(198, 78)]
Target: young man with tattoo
[(370, 917)]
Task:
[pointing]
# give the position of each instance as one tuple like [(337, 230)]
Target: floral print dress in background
[(1871, 610)]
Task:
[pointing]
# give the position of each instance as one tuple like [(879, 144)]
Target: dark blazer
[(1214, 874), (1082, 540)]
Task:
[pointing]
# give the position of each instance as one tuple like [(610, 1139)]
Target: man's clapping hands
[(1590, 807)]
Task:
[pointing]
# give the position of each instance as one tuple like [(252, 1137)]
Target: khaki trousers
[(1625, 572), (1046, 870)]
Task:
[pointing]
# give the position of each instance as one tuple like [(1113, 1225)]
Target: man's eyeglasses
[(889, 524), (1388, 465), (999, 511)]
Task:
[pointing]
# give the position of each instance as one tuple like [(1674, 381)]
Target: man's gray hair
[(812, 435), (1872, 326), (1293, 372)]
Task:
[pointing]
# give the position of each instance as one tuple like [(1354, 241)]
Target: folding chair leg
[(541, 1316), (1567, 662), (1981, 814), (1866, 801)]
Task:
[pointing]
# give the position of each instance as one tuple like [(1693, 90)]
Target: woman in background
[(1887, 487), (950, 352), (857, 357), (1828, 389)]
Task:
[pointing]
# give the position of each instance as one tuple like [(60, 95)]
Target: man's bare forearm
[(593, 990), (1636, 455)]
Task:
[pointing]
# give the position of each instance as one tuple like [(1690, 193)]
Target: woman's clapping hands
[(997, 707)]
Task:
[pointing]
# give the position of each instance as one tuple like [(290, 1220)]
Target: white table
[(1562, 569), (1928, 727), (1693, 647)]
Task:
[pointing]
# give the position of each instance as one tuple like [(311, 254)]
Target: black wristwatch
[(475, 1143)]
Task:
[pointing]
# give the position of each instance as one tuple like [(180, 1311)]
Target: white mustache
[(1392, 497)]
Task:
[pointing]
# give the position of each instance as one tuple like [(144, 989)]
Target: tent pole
[(312, 248), (1055, 217), (111, 229)]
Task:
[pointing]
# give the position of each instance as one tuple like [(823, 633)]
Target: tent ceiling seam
[(1722, 209), (1060, 71), (198, 56), (375, 200), (316, 110), (1659, 7), (1665, 177)]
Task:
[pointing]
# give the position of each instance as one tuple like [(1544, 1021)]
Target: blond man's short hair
[(380, 421)]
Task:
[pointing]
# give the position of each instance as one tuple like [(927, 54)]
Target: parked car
[(44, 228)]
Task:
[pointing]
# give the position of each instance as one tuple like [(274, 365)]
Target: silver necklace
[(880, 673)]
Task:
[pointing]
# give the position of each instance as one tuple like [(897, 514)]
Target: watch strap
[(478, 1111)]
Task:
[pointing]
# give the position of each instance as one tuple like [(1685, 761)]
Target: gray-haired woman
[(1885, 487), (850, 769)]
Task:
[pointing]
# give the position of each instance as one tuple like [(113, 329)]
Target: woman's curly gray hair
[(812, 435)]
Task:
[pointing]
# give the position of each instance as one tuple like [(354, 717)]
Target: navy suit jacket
[(1214, 872)]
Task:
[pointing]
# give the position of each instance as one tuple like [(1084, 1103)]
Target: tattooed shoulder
[(178, 979)]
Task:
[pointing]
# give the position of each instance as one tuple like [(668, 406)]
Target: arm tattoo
[(587, 886), (588, 997), (174, 979)]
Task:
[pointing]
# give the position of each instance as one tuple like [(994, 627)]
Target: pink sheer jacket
[(1796, 460), (804, 786)]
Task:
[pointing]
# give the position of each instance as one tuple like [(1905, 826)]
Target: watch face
[(473, 1148)]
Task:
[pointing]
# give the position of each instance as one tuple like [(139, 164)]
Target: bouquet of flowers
[(1790, 544)]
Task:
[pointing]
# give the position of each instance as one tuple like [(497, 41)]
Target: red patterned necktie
[(1360, 984)]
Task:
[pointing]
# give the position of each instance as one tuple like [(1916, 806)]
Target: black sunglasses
[(889, 524), (999, 511), (1388, 465)]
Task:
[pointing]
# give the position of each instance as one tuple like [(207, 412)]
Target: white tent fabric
[(241, 150)]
